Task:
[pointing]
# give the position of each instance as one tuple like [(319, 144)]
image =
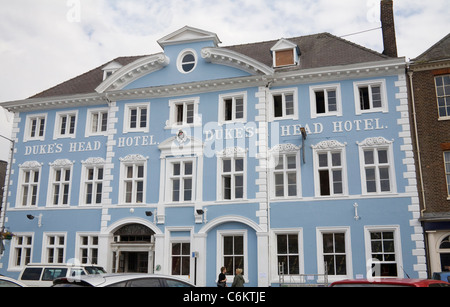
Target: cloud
[(46, 42)]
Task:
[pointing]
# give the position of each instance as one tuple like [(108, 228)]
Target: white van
[(42, 275)]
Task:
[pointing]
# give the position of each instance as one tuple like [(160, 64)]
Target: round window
[(187, 61)]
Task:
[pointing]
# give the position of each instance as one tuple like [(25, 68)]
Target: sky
[(46, 42)]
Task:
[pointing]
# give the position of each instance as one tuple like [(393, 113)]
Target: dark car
[(390, 282)]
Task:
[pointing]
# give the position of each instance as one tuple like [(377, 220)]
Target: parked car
[(122, 280), (445, 276), (6, 282), (42, 275), (390, 282)]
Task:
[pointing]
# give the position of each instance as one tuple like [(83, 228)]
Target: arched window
[(134, 233)]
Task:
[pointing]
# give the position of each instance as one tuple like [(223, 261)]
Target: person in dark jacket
[(222, 279), (238, 279)]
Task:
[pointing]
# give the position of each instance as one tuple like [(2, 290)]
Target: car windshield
[(95, 270)]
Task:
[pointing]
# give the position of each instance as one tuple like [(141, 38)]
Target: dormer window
[(285, 53), (110, 69)]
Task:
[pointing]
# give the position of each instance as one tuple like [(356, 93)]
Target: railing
[(302, 280)]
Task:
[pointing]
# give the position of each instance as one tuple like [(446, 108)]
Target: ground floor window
[(288, 254), (383, 251), (181, 258)]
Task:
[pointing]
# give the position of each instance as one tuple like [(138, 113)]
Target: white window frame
[(58, 125), (57, 246), (90, 124), (320, 231), (13, 255), (132, 161), (180, 58), (397, 245), (375, 144), (447, 171), (29, 126), (231, 154), (283, 92), (32, 167), (172, 123), (283, 151), (170, 177), (330, 147), (90, 247), (221, 234), (127, 117), (371, 83), (325, 88), (274, 251), (63, 166), (181, 241), (96, 164), (446, 96), (233, 96)]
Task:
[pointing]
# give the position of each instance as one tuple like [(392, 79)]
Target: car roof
[(61, 265), (392, 281), (21, 284), (102, 280)]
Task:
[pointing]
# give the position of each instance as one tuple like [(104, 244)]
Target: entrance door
[(134, 262)]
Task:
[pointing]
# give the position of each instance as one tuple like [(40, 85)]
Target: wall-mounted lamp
[(148, 213), (32, 217), (200, 216)]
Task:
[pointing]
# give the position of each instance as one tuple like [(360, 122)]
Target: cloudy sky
[(46, 42)]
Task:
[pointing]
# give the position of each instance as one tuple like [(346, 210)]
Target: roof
[(318, 50), (439, 51)]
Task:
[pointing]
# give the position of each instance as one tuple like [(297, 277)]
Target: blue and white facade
[(201, 157)]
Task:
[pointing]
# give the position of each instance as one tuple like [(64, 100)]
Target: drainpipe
[(413, 102), (267, 96)]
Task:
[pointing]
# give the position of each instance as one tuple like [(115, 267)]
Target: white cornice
[(236, 60), (133, 71), (287, 78)]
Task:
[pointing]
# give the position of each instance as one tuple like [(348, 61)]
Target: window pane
[(278, 105), (226, 166), (291, 162), (364, 98), (324, 178), (328, 244), (293, 244), (382, 156), (339, 242), (323, 160), (282, 244), (368, 157), (238, 245), (176, 169), (289, 104), (320, 102), (239, 108), (279, 185), (239, 165), (228, 245), (376, 96), (228, 109), (188, 168)]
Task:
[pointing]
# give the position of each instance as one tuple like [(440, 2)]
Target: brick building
[(429, 77)]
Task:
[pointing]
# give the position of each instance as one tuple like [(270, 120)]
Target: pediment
[(188, 35), (283, 44)]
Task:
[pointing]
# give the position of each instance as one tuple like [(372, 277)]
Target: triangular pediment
[(188, 35), (283, 44)]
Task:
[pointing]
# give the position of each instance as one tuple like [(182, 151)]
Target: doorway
[(133, 249)]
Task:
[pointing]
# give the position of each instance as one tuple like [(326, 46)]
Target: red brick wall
[(434, 136)]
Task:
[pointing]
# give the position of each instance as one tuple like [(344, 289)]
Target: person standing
[(238, 279), (222, 279)]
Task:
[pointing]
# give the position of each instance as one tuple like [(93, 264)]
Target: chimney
[(388, 28)]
